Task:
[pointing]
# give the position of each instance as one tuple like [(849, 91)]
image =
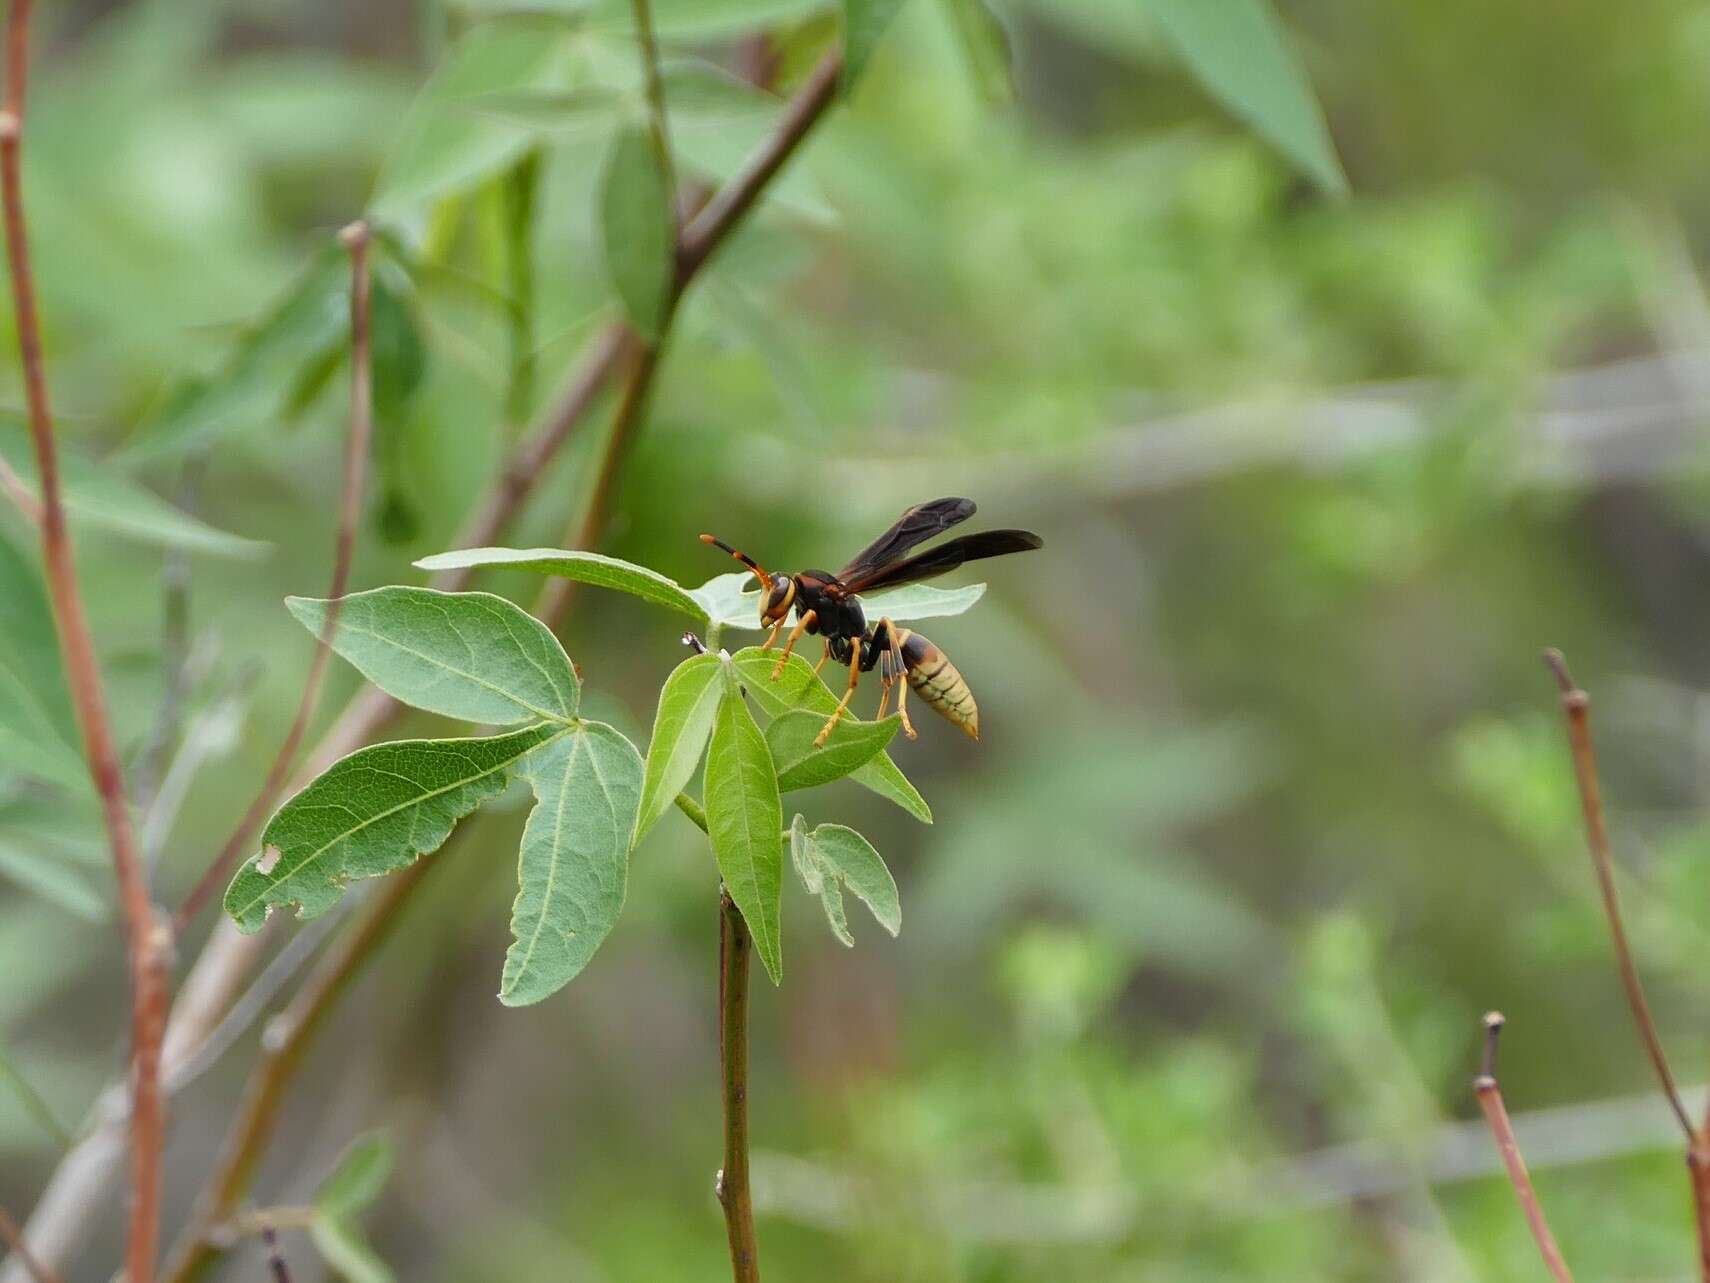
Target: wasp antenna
[(743, 557)]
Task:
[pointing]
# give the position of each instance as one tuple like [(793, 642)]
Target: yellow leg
[(884, 699), (822, 659), (802, 625), (901, 676), (842, 704), (772, 636)]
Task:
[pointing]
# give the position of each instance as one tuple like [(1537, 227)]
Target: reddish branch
[(356, 450), (148, 946), (1496, 1114), (1576, 706), (14, 1240)]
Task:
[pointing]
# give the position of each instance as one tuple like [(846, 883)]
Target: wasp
[(829, 606)]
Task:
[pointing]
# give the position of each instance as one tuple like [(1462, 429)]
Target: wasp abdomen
[(936, 680)]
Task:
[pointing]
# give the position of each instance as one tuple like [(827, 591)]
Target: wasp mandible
[(829, 606)]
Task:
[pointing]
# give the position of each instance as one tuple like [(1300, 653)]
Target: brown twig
[(355, 238), (283, 1044), (1576, 705), (734, 1192), (14, 1241), (1496, 1114), (148, 945)]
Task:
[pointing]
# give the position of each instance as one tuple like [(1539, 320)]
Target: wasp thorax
[(775, 602)]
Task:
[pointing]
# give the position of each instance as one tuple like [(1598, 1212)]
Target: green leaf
[(1239, 52), (584, 567), (369, 814), (744, 818), (38, 733), (851, 746), (472, 656), (346, 1252), (985, 49), (637, 227), (98, 496), (844, 856), (574, 863), (357, 1178), (864, 23), (730, 603), (687, 704), (398, 355), (280, 348), (447, 142), (798, 687), (53, 881)]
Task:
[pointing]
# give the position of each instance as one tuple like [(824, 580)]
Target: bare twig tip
[(1493, 1022), (1556, 662), (356, 234)]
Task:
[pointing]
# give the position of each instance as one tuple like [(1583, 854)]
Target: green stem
[(693, 809), (734, 1193), (656, 123)]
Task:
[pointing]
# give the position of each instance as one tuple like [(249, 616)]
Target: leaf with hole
[(38, 732), (636, 229), (574, 862), (371, 813), (833, 858), (745, 818), (470, 655), (851, 746), (1239, 52), (358, 1177), (799, 687), (592, 568), (681, 726)]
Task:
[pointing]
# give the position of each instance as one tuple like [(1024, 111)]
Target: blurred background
[(1272, 802)]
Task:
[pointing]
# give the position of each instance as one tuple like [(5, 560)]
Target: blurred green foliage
[(1272, 803)]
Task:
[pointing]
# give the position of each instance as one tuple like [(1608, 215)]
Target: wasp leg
[(772, 636), (884, 698), (900, 675), (822, 659), (842, 704), (802, 625)]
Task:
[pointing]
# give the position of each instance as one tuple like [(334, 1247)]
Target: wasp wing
[(915, 526), (945, 558)]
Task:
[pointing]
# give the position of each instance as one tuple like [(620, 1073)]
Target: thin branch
[(14, 1241), (1496, 1114), (355, 238), (657, 124), (735, 1194), (148, 945), (284, 1042), (1576, 705)]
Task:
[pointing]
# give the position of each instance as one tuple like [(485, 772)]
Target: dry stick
[(14, 1240), (355, 238), (266, 1088), (1496, 1114), (283, 1043), (147, 945), (1576, 705), (734, 1192)]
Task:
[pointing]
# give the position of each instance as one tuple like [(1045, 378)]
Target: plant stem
[(148, 945), (732, 1186), (284, 1042), (1576, 705), (1496, 1114), (355, 238), (656, 122), (14, 1241)]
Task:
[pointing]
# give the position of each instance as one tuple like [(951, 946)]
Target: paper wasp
[(829, 605)]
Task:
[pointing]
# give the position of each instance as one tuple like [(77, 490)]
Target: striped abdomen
[(936, 680)]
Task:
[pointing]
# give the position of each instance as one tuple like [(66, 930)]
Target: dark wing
[(946, 557), (915, 526)]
